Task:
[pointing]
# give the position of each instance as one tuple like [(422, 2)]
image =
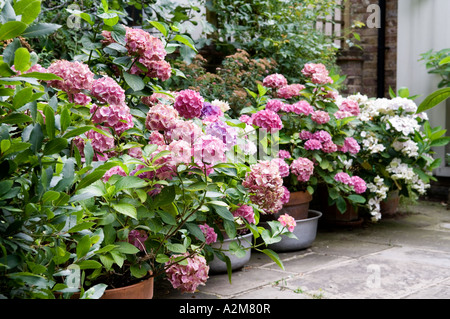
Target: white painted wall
[(423, 25)]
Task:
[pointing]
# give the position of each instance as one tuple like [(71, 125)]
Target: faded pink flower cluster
[(265, 185), (290, 91), (246, 212), (156, 98), (137, 238), (318, 73), (350, 145), (189, 104), (107, 90), (275, 81), (116, 116), (187, 277), (116, 170), (209, 150), (358, 184), (302, 107), (100, 143), (161, 117), (268, 120), (303, 168), (288, 222), (76, 76), (284, 154), (150, 50), (320, 117), (347, 108), (274, 105), (210, 234), (320, 140)]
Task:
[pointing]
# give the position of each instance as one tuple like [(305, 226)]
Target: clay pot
[(297, 207), (141, 290), (390, 205)]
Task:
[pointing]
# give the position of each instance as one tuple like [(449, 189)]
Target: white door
[(424, 25)]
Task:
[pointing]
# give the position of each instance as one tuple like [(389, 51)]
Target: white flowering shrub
[(396, 149)]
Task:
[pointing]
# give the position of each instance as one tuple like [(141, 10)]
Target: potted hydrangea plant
[(396, 151), (315, 138)]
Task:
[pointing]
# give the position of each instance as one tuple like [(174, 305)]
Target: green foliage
[(438, 62), (272, 28)]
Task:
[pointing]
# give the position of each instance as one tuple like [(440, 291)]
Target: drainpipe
[(381, 50)]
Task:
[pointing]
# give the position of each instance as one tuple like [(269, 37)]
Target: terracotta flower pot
[(390, 205), (297, 207), (141, 290)]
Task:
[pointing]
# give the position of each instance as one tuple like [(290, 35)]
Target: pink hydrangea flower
[(321, 78), (80, 99), (342, 114), (116, 170), (302, 107), (322, 136), (209, 149), (137, 238), (181, 152), (76, 76), (343, 178), (156, 138), (274, 105), (135, 152), (100, 142), (161, 117), (287, 108), (187, 277), (265, 186), (282, 166), (246, 212), (140, 42), (317, 72), (246, 119), (106, 90), (313, 144), (210, 234), (185, 130), (284, 154), (189, 104), (305, 135), (286, 196), (268, 120), (329, 147), (290, 91), (288, 222), (274, 81), (114, 116), (158, 69), (351, 146), (157, 98), (320, 117), (350, 106), (358, 184), (303, 168)]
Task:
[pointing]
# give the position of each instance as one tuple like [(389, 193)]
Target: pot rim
[(240, 236), (315, 212)]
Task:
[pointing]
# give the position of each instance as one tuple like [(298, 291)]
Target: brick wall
[(361, 66)]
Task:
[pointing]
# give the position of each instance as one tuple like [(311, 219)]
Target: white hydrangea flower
[(224, 106)]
